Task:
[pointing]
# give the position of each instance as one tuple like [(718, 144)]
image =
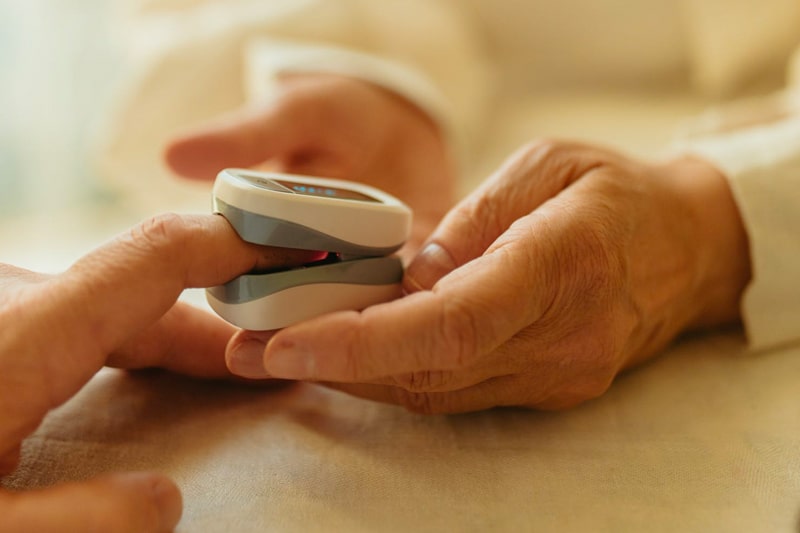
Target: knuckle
[(357, 348), (580, 370), (351, 362), (544, 147), (484, 216), (160, 231), (556, 163), (589, 382), (546, 154), (592, 255), (540, 165), (424, 381), (597, 383), (458, 331), (424, 403), (579, 392), (599, 272)]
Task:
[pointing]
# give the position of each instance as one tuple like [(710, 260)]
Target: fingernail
[(430, 265), (287, 361), (247, 359)]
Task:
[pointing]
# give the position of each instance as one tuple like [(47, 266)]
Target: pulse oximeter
[(358, 225)]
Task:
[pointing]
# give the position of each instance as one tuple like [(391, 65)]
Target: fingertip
[(125, 502), (163, 493), (241, 138), (168, 500), (244, 354), (198, 156)]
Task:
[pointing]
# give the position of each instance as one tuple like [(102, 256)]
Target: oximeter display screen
[(325, 192)]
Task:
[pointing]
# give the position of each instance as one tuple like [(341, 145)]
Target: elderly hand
[(116, 306), (570, 264), (332, 126)]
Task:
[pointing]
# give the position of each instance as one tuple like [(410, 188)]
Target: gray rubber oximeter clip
[(358, 225)]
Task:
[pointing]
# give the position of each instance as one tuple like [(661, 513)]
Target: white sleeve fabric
[(195, 62), (763, 166)]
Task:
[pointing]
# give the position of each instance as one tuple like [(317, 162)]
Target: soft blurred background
[(61, 63)]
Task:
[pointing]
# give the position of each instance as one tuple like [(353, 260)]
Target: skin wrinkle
[(463, 252), (517, 255), (596, 282), (501, 247), (459, 329), (483, 319), (44, 313), (354, 341), (164, 237), (604, 383), (425, 380), (416, 402), (587, 357), (563, 163), (658, 325), (486, 220), (158, 341), (442, 342), (631, 320), (85, 289), (511, 193)]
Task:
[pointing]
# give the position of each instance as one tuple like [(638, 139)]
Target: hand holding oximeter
[(358, 225)]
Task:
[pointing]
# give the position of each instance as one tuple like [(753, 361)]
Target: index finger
[(242, 138), (144, 271), (65, 326)]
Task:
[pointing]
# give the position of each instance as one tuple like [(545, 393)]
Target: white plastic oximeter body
[(360, 226)]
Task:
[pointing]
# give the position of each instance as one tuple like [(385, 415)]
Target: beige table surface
[(704, 438)]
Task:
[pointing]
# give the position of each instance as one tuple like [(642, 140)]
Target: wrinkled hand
[(116, 306), (332, 126), (570, 264)]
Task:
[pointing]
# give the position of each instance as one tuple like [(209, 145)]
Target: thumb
[(242, 138), (530, 177), (133, 502)]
